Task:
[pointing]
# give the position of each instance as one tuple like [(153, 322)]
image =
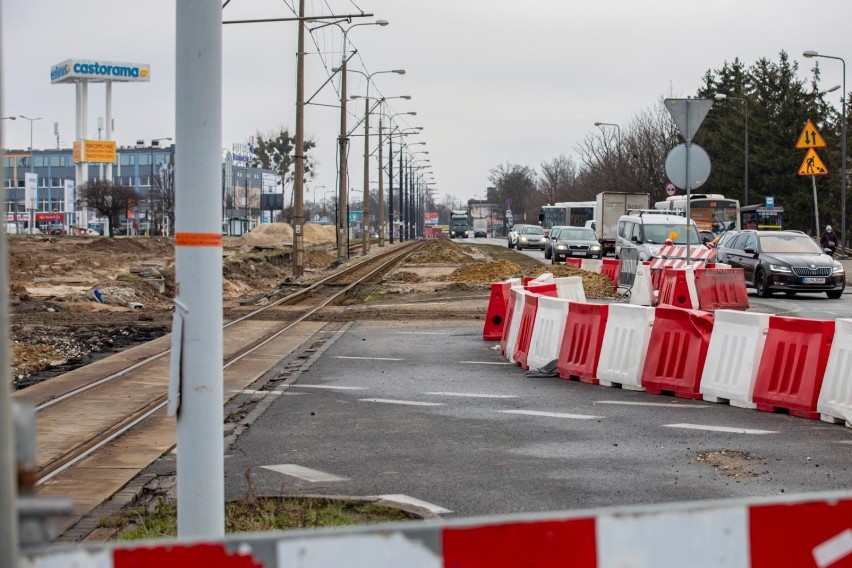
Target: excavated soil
[(76, 299)]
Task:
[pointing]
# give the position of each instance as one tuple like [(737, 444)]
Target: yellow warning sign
[(810, 138), (812, 165)]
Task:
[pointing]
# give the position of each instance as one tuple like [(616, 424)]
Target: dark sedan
[(785, 261), (576, 242)]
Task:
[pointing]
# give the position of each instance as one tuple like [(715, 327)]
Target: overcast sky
[(492, 81)]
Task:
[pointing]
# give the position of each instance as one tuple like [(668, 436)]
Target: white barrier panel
[(835, 397), (570, 288), (733, 357), (592, 265), (625, 344), (544, 278), (642, 293), (547, 331), (690, 285), (516, 295)]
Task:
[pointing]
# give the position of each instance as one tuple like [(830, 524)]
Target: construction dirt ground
[(76, 299)]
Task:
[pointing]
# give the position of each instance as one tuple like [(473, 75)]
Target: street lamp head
[(810, 53), (10, 118), (720, 96), (831, 90), (406, 97), (598, 123), (399, 71), (382, 22)]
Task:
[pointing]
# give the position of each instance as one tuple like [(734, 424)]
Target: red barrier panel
[(674, 290), (656, 278), (510, 313), (793, 365), (544, 289), (581, 342), (495, 317), (526, 330), (676, 351), (611, 267), (578, 262), (721, 289)]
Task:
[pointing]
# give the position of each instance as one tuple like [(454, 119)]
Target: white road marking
[(551, 414), (472, 394), (329, 387), (484, 363), (845, 442), (370, 358), (304, 473), (249, 391), (406, 500), (834, 549), (719, 429), (663, 404), (405, 402)]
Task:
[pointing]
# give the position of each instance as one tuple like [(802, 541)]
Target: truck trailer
[(609, 206)]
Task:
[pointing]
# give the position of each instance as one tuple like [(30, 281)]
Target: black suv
[(784, 261)]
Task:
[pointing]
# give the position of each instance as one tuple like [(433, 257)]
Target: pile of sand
[(281, 234)]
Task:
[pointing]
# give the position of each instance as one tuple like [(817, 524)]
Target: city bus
[(570, 213), (711, 212), (762, 217)]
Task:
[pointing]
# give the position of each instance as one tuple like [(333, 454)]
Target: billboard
[(94, 151), (76, 70), (430, 217)]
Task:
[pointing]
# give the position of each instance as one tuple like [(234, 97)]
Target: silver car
[(530, 236)]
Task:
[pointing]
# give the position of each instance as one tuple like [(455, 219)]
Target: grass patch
[(260, 514)]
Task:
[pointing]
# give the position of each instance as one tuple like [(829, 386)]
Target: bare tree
[(515, 186), (108, 199), (557, 179), (164, 188)]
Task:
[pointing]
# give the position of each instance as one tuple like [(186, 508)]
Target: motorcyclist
[(828, 240)]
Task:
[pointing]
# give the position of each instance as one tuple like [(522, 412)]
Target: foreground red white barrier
[(807, 530)]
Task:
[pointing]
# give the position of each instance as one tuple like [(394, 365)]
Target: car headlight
[(595, 247), (780, 268), (523, 239), (561, 247), (837, 269)]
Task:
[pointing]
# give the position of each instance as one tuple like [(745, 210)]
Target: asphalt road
[(432, 412)]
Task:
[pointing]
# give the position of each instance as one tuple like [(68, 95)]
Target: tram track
[(76, 422)]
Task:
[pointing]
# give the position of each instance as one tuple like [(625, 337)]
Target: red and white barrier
[(509, 340), (495, 316), (547, 333), (718, 288), (625, 343), (570, 288), (674, 256), (736, 346), (581, 342), (835, 396), (793, 365), (528, 317), (677, 288), (591, 265), (803, 530), (642, 293)]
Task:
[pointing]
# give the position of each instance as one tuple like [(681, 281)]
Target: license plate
[(813, 280), (579, 253)]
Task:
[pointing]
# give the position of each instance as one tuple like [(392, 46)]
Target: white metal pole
[(198, 264), (108, 131), (8, 469)]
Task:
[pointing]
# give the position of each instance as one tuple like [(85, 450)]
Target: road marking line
[(663, 404), (370, 358), (834, 549), (551, 414), (472, 394), (249, 391), (329, 387), (406, 402), (719, 429), (484, 363), (845, 442), (304, 473), (407, 500)]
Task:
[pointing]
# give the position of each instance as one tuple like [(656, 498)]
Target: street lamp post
[(32, 166), (390, 170), (722, 97), (620, 161), (812, 53), (412, 196), (151, 210)]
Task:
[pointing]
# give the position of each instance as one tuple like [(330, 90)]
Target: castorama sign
[(73, 70)]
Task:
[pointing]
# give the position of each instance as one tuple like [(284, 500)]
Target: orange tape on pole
[(198, 240)]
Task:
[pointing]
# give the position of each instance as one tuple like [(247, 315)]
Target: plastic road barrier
[(526, 330), (591, 265), (578, 262), (570, 288), (542, 288), (509, 339), (611, 267), (674, 256), (581, 341), (835, 396), (676, 352), (736, 346), (677, 288), (495, 316), (625, 344), (801, 530), (642, 293), (542, 278), (719, 288), (547, 332), (793, 365)]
